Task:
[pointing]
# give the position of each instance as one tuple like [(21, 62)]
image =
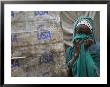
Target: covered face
[(83, 30)]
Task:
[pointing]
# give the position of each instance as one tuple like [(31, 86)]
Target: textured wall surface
[(38, 38)]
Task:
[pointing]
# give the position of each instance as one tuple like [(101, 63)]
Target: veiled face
[(83, 29)]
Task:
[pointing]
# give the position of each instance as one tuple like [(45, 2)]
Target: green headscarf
[(84, 65), (90, 22)]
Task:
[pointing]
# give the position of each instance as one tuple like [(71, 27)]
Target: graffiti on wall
[(40, 13), (13, 37), (43, 35), (14, 64), (46, 57)]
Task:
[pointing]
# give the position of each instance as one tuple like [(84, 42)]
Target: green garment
[(84, 65)]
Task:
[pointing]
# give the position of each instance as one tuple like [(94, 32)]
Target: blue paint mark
[(13, 37), (14, 64), (12, 13), (46, 58), (40, 13), (44, 35)]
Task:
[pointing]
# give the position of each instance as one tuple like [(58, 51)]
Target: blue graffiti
[(44, 35), (14, 64), (46, 58), (12, 13), (40, 13), (13, 37)]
